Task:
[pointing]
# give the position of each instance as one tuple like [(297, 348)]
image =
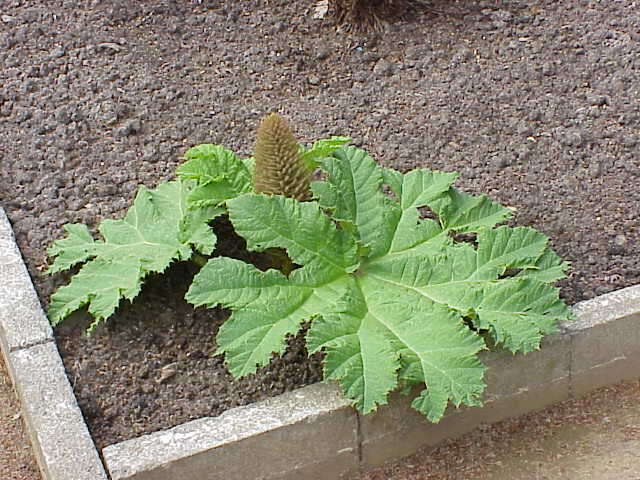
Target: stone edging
[(309, 433), (60, 438)]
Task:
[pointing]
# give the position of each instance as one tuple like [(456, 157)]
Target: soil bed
[(536, 106)]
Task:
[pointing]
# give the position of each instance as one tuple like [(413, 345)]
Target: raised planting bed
[(312, 432)]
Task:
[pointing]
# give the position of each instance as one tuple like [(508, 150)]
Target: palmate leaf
[(359, 353), (321, 149), (157, 229), (75, 248), (268, 307), (389, 294), (269, 304), (308, 235), (219, 173), (352, 194)]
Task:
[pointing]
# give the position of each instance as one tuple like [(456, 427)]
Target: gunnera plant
[(173, 222), (371, 15), (392, 297)]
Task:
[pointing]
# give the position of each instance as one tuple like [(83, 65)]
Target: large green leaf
[(321, 149), (519, 311), (157, 229), (267, 305), (548, 268), (76, 247), (359, 352), (220, 175), (390, 295), (101, 284), (415, 190), (352, 194), (308, 235), (465, 213)]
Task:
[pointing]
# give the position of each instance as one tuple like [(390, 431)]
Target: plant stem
[(199, 260)]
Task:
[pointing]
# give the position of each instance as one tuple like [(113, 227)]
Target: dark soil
[(536, 104)]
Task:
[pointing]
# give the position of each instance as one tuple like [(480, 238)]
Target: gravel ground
[(536, 105)]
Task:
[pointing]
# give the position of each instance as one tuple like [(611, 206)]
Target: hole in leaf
[(510, 272), (469, 323), (470, 238), (390, 193), (426, 213)]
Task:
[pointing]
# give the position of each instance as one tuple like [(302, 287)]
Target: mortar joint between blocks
[(359, 440), (570, 367), (29, 345)]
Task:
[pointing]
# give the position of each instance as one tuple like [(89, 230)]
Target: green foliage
[(166, 224), (393, 299), (321, 149), (219, 175), (157, 229)]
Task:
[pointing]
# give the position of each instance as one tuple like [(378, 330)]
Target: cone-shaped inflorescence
[(279, 169)]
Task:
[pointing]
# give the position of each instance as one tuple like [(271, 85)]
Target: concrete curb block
[(311, 429), (60, 438), (309, 433)]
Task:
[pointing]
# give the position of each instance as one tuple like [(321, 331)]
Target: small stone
[(463, 55), (58, 52), (23, 115), (323, 54), (6, 108), (314, 80), (615, 249), (596, 169), (147, 388), (111, 413), (11, 62), (534, 115), (131, 127), (620, 240), (415, 52), (548, 69), (501, 161), (571, 138), (383, 68), (360, 76), (523, 153), (598, 100), (524, 129), (109, 47), (167, 372), (151, 154), (62, 116)]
